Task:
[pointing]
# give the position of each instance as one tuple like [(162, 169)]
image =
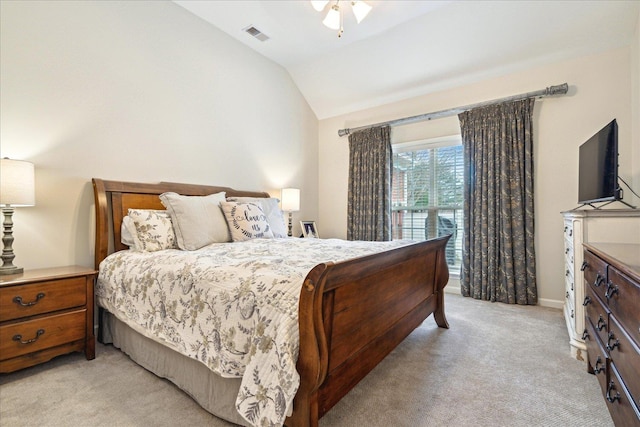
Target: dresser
[(45, 313), (582, 226), (612, 325)]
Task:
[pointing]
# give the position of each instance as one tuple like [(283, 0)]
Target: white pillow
[(151, 230), (197, 220), (271, 210), (127, 232), (246, 221)]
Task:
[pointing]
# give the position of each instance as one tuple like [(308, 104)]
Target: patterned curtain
[(498, 256), (369, 203)]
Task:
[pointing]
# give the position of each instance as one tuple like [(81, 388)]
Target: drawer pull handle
[(585, 336), (596, 369), (566, 251), (611, 290), (615, 344), (598, 281), (18, 300), (600, 326), (18, 337), (584, 265), (610, 399), (587, 301)]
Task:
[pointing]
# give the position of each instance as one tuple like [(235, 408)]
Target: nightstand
[(45, 313)]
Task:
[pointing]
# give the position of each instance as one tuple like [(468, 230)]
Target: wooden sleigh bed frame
[(352, 313)]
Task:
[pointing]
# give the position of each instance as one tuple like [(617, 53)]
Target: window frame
[(431, 144)]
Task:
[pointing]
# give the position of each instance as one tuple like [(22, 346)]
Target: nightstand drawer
[(28, 300), (41, 333)]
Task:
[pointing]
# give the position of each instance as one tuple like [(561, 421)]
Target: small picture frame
[(309, 229)]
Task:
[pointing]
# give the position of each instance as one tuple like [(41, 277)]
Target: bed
[(350, 313)]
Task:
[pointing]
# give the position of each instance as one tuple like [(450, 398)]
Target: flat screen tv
[(598, 167)]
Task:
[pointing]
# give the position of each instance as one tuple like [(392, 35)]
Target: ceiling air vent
[(257, 33)]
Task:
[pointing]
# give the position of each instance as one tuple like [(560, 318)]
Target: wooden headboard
[(113, 199)]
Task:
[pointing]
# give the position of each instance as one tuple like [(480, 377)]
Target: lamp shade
[(318, 5), (17, 183), (360, 10), (290, 198), (332, 20)]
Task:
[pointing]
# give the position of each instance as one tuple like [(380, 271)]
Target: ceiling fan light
[(319, 4), (360, 10), (332, 20)]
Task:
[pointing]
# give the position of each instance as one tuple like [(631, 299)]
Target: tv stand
[(603, 205)]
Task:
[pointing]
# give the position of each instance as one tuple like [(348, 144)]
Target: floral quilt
[(231, 306)]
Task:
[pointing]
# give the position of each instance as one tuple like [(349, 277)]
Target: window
[(427, 197)]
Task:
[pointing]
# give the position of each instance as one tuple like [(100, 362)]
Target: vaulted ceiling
[(409, 48)]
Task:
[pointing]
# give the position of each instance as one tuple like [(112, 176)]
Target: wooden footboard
[(354, 313)]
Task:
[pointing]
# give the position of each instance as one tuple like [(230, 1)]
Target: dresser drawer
[(595, 273), (40, 333), (37, 298), (626, 355), (597, 314), (622, 409), (596, 355), (624, 301)]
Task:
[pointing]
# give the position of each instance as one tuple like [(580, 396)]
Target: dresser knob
[(587, 301), (601, 323), (611, 290), (584, 265), (596, 369), (615, 344), (598, 281), (18, 300), (585, 334), (610, 399), (18, 337)]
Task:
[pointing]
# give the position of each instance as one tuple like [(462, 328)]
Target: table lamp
[(290, 199)]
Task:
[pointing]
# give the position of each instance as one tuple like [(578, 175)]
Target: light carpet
[(497, 365)]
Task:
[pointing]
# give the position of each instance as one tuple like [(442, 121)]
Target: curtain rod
[(549, 91)]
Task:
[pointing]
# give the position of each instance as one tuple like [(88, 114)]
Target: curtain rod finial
[(558, 89), (343, 132)]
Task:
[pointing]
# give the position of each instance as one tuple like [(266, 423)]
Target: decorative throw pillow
[(271, 210), (152, 230), (246, 221), (197, 220)]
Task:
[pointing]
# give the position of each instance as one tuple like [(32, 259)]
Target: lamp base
[(11, 270), (7, 240)]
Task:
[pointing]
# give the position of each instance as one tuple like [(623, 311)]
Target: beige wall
[(139, 91), (599, 91)]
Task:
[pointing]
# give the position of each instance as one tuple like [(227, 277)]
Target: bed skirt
[(214, 393)]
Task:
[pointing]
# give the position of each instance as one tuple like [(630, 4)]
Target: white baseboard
[(553, 303), (453, 287)]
